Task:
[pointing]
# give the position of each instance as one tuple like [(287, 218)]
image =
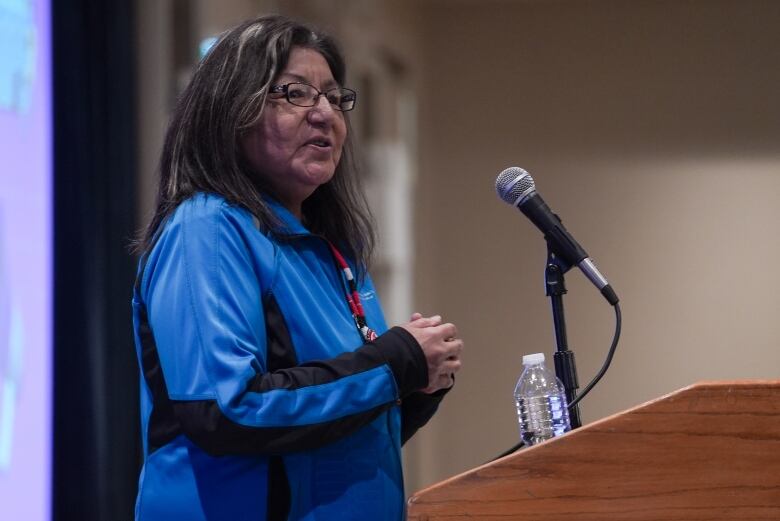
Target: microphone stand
[(565, 368)]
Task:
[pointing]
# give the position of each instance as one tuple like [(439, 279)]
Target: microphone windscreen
[(514, 184)]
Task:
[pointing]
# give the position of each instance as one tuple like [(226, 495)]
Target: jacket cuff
[(405, 358)]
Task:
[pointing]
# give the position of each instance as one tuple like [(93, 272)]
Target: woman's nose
[(322, 111)]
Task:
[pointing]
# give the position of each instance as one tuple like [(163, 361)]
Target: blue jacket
[(259, 399)]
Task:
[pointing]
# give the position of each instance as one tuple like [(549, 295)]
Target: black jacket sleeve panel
[(205, 423)]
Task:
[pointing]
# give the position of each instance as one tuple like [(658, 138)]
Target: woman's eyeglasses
[(305, 95)]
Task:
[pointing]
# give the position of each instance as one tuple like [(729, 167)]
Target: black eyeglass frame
[(347, 95)]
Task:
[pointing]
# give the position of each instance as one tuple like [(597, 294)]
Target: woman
[(272, 388)]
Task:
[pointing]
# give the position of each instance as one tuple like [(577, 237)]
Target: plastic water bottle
[(540, 399)]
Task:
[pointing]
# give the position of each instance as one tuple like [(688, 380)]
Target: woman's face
[(296, 149)]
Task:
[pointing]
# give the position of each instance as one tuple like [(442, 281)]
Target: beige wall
[(651, 127)]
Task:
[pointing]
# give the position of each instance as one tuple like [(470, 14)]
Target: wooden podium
[(707, 452)]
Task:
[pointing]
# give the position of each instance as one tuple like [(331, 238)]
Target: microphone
[(515, 186)]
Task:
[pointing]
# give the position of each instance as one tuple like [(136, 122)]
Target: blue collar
[(290, 224)]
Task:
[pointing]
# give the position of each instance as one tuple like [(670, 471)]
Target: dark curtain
[(96, 429)]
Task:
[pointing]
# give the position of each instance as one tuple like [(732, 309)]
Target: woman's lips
[(319, 151), (320, 142)]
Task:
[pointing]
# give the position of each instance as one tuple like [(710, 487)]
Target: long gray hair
[(225, 97)]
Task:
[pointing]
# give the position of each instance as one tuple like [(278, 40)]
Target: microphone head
[(514, 185)]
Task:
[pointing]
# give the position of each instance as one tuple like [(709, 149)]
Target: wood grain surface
[(707, 452)]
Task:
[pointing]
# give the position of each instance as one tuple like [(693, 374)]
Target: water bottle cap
[(534, 359)]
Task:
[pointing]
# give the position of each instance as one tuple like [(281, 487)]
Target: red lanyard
[(353, 298)]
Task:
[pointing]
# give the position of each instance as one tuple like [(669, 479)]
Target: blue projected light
[(9, 359), (17, 54), (9, 385), (25, 260)]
